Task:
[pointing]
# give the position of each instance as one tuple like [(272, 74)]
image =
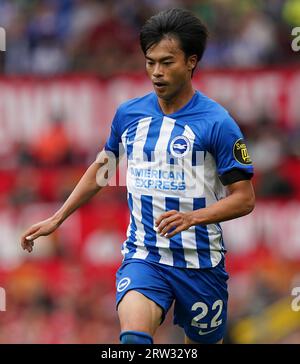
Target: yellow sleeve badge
[(240, 152)]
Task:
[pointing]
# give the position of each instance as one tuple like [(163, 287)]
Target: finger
[(31, 243), (28, 247), (164, 216), (28, 233), (27, 243), (169, 227), (33, 236), (24, 243), (166, 221), (174, 232)]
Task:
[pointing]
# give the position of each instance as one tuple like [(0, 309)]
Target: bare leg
[(137, 312)]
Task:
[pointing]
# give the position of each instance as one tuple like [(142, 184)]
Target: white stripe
[(165, 134), (141, 250), (140, 138), (159, 204), (194, 175), (160, 151), (188, 237), (125, 249), (188, 132), (136, 159), (163, 244), (212, 184), (189, 242), (124, 139)]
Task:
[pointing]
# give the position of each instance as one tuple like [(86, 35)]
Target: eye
[(150, 63), (167, 63)]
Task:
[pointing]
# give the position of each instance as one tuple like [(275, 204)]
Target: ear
[(192, 62)]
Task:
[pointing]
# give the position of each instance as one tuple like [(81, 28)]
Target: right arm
[(93, 180)]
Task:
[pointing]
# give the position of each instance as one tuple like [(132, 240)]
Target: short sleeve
[(229, 149), (114, 141)]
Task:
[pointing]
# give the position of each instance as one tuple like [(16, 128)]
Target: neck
[(176, 102)]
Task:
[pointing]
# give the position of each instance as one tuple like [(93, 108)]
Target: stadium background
[(68, 64)]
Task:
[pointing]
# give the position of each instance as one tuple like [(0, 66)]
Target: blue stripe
[(221, 231), (177, 130), (132, 237), (172, 203), (170, 159), (199, 152), (222, 240), (130, 136), (197, 156), (150, 233), (202, 240), (152, 138)]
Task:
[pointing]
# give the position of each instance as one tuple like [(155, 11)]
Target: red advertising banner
[(87, 104)]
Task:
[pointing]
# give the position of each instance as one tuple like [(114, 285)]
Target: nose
[(157, 70)]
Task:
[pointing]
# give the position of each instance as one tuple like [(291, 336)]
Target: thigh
[(143, 296), (201, 304), (139, 313)]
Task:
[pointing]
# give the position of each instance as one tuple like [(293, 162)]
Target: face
[(168, 68)]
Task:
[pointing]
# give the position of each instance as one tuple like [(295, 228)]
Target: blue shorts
[(200, 295)]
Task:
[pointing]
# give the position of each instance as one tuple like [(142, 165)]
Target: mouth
[(159, 85)]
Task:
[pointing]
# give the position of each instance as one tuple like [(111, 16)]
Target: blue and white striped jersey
[(175, 162)]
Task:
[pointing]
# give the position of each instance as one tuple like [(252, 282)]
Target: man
[(182, 149)]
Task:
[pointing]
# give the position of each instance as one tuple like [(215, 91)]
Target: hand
[(175, 221), (42, 228)]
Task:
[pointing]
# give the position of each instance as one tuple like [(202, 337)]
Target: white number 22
[(217, 305)]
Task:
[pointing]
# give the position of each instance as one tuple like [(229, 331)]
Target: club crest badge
[(180, 146), (123, 284)]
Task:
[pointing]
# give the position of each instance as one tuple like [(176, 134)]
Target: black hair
[(179, 23)]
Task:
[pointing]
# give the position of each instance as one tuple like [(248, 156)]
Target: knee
[(135, 337)]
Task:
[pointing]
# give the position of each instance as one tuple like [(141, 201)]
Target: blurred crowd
[(47, 37), (275, 151), (47, 167)]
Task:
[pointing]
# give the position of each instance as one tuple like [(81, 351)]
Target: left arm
[(239, 202)]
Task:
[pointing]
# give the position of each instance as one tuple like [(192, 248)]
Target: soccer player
[(188, 170)]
